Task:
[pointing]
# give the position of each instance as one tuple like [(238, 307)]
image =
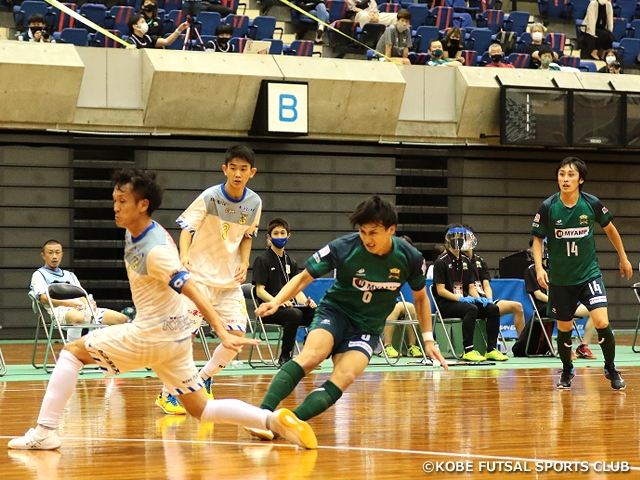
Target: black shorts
[(563, 300), (345, 336)]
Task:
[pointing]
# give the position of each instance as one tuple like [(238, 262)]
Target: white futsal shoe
[(32, 441)]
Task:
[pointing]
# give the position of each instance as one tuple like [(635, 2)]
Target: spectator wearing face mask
[(537, 34), (221, 42), (495, 52), (546, 59), (452, 45), (396, 40), (598, 28), (149, 11), (36, 31), (437, 56), (139, 37), (613, 64)]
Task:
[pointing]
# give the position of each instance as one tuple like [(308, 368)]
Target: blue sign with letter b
[(287, 111)]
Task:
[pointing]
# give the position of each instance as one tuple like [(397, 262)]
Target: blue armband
[(179, 279)]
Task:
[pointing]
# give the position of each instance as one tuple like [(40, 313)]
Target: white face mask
[(144, 28), (602, 2), (611, 60), (537, 36)]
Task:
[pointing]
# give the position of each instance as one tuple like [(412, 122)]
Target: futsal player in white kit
[(160, 335)]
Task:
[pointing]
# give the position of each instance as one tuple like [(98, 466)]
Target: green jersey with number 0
[(569, 232), (367, 285)]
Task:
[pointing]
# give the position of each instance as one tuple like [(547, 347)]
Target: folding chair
[(541, 320), (408, 321), (261, 331), (3, 364), (636, 290), (444, 322), (203, 339), (478, 332), (61, 291)]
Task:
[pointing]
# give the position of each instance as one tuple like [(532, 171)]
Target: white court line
[(341, 448)]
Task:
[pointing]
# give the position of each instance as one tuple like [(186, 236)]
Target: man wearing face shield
[(271, 271), (36, 31), (457, 297)]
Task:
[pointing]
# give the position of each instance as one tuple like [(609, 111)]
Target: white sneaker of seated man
[(32, 441)]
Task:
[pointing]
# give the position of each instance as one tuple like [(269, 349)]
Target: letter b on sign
[(287, 111), (288, 105)]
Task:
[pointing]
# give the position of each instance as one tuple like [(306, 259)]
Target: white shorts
[(61, 314), (228, 303), (120, 349)]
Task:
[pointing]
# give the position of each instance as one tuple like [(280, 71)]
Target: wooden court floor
[(388, 425)]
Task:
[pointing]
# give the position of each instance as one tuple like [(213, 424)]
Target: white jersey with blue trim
[(45, 276), (219, 223), (154, 269)]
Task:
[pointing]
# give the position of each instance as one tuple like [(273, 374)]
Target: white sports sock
[(234, 411), (59, 390), (220, 359), (165, 392)]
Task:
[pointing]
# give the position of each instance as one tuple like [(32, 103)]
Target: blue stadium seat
[(276, 46), (628, 50), (479, 40), (75, 36), (240, 24), (554, 8), (95, 12), (337, 9), (441, 17), (118, 17), (299, 48), (470, 57), (419, 14), (519, 60), (491, 19), (517, 22), (569, 61), (424, 35), (61, 20), (101, 40), (209, 21), (263, 28)]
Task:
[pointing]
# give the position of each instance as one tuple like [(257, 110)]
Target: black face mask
[(454, 43), (36, 29), (496, 57), (223, 41), (148, 8)]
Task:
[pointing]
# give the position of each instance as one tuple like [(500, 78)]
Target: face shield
[(459, 238)]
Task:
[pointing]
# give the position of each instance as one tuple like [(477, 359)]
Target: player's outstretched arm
[(423, 310), (185, 242), (190, 289), (289, 291), (626, 270)]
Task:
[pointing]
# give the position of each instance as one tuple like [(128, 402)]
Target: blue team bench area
[(503, 288)]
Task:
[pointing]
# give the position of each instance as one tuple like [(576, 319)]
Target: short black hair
[(51, 241), (144, 186), (375, 210), (133, 20), (277, 222), (224, 28), (544, 48), (240, 151), (579, 165), (36, 18)]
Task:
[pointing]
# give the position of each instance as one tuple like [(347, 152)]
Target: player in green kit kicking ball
[(567, 220), (371, 267)]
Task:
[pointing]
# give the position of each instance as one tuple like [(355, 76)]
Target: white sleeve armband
[(427, 336)]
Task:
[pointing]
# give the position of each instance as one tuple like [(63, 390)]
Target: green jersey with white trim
[(569, 232), (367, 285)]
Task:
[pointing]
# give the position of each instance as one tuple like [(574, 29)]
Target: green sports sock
[(282, 385), (318, 401), (608, 345), (564, 349)]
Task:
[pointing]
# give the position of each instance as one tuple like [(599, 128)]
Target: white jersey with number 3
[(219, 223)]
